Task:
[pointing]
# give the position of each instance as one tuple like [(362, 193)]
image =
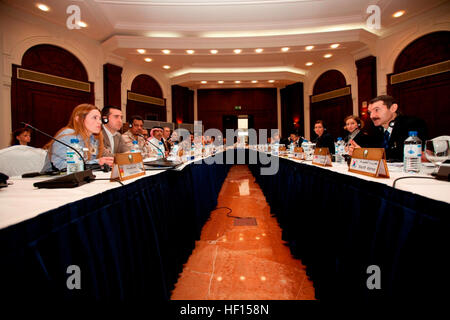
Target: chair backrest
[(17, 160)]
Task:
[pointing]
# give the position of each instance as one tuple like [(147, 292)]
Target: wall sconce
[(364, 108)]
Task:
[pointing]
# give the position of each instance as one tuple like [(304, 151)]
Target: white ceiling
[(201, 25)]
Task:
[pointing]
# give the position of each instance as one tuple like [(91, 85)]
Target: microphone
[(57, 140), (68, 181), (148, 141)]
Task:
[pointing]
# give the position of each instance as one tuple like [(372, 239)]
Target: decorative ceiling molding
[(222, 3), (132, 42), (282, 27)]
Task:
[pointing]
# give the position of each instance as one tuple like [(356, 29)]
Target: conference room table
[(130, 242), (344, 226)]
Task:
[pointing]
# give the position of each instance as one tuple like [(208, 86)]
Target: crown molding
[(132, 42), (290, 26)]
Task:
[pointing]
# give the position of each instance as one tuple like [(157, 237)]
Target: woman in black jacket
[(323, 139)]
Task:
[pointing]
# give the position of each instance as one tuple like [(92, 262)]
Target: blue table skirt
[(339, 225), (130, 242)]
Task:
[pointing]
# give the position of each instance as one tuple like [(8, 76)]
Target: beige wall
[(385, 48), (19, 32)]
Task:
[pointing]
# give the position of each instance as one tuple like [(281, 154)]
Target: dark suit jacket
[(167, 145), (400, 132), (119, 144), (325, 141)]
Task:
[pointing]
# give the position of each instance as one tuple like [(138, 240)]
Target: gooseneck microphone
[(70, 180), (148, 141)]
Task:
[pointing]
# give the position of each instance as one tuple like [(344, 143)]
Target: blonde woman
[(85, 125)]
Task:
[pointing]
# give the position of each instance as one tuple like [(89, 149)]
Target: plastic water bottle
[(135, 147), (174, 150), (412, 153), (160, 148), (73, 160), (275, 148), (291, 148), (305, 147), (340, 150)]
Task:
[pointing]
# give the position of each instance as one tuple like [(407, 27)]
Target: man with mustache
[(393, 127)]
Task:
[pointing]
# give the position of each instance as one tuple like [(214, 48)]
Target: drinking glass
[(437, 151)]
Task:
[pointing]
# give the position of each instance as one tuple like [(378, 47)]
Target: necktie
[(386, 139)]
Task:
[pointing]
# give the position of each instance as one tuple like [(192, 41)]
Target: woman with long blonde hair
[(85, 125)]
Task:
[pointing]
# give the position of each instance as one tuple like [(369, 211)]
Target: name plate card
[(370, 162), (298, 153), (127, 166), (282, 151), (322, 157)]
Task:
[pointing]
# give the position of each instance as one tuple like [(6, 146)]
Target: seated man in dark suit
[(293, 138), (393, 127), (112, 123)]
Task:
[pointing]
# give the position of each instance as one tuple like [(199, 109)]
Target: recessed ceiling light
[(190, 51), (204, 82), (214, 51), (141, 51), (309, 48), (82, 24), (148, 59), (237, 51), (43, 7), (328, 55), (220, 81), (165, 51), (285, 49), (271, 81), (398, 14), (254, 81), (335, 45), (237, 81), (309, 63), (166, 67), (259, 50)]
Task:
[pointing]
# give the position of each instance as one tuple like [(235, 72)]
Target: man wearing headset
[(111, 124), (393, 127), (136, 125)]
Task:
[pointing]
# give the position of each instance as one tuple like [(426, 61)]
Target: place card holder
[(282, 151), (322, 157), (370, 162), (127, 166), (299, 153)]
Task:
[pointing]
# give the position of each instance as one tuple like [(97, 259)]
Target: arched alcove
[(426, 50), (331, 102), (421, 81), (145, 84), (146, 99), (328, 81), (50, 82), (54, 60)]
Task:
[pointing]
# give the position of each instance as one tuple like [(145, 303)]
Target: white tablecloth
[(21, 201)]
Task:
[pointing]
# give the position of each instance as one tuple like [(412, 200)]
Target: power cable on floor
[(228, 213)]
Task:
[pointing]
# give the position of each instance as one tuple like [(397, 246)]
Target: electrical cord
[(228, 213), (409, 177)]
